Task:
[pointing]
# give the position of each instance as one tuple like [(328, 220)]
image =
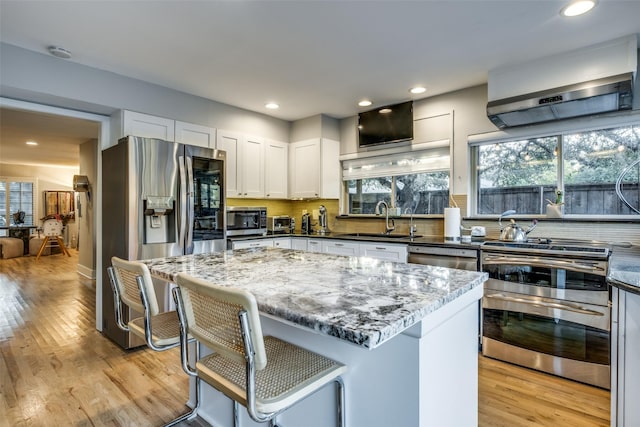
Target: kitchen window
[(416, 183), (595, 172), (16, 195)]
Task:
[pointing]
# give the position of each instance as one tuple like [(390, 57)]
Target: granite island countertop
[(362, 300)]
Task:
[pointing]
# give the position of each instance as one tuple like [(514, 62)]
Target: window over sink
[(415, 182), (590, 172)]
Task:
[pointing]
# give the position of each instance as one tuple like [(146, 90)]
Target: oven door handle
[(538, 303), (567, 265)]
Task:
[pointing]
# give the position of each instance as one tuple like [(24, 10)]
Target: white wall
[(44, 79), (85, 211)]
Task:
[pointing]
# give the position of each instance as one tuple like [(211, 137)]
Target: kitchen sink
[(383, 235)]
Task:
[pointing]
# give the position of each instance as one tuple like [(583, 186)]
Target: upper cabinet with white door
[(252, 164), (126, 122), (314, 169), (245, 164), (231, 142), (276, 167), (192, 134)]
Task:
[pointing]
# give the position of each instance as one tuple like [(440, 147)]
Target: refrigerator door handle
[(190, 213), (183, 202)]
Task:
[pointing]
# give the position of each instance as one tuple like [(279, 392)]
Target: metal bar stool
[(132, 286), (227, 321)]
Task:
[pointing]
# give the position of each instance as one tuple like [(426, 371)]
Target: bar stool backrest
[(125, 273), (212, 317)]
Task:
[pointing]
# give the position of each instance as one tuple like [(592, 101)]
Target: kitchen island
[(407, 333)]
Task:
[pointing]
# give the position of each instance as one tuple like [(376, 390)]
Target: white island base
[(426, 376)]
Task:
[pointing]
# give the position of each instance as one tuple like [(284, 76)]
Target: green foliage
[(589, 157)]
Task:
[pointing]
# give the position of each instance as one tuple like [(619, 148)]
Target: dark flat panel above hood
[(582, 99)]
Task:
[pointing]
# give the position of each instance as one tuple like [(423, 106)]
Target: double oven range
[(546, 306)]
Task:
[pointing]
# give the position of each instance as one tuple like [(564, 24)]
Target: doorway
[(63, 136)]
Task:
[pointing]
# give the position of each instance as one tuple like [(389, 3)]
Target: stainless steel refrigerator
[(159, 199)]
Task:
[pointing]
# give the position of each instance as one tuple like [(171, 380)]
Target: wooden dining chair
[(265, 374), (132, 287)]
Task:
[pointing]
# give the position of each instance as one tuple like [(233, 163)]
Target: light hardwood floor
[(56, 369)]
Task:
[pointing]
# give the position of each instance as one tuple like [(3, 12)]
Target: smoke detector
[(60, 52)]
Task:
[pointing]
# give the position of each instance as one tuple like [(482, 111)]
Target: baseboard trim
[(86, 272)]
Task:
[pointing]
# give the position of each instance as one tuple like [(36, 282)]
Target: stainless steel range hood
[(582, 99)]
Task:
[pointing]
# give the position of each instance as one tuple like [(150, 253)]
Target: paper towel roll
[(452, 224)]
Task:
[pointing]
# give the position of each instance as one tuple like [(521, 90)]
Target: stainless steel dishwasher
[(460, 258)]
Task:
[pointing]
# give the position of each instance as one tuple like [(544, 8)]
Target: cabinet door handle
[(339, 244), (380, 248)]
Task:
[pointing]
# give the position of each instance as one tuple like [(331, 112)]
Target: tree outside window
[(419, 193), (593, 163), (597, 172)]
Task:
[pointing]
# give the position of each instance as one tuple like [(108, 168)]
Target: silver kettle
[(513, 232)]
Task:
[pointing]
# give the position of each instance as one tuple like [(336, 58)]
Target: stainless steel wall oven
[(546, 307)]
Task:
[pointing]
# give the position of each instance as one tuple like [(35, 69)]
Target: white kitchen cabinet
[(145, 125), (625, 348), (252, 166), (331, 173), (276, 169), (282, 242), (340, 247), (231, 142), (314, 169), (245, 164), (387, 252), (257, 243), (314, 245), (192, 134), (299, 243)]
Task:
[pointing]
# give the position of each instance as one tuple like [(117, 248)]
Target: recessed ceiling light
[(272, 105), (364, 103), (60, 52), (385, 111), (417, 89), (31, 143), (578, 7)]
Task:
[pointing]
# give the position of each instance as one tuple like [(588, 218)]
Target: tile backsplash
[(611, 232)]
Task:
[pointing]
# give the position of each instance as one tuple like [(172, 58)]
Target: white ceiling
[(311, 57), (58, 138)]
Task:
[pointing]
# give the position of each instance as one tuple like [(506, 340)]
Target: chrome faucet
[(387, 228), (412, 227)]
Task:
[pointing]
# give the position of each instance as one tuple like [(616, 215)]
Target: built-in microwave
[(246, 220)]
